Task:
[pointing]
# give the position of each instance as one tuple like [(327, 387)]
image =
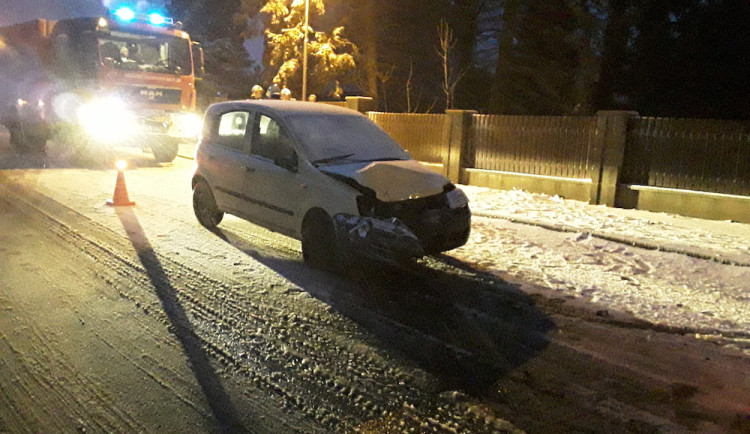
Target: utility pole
[(304, 52)]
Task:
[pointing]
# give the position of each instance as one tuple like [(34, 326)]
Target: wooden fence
[(614, 158), (420, 134), (539, 145), (688, 154)]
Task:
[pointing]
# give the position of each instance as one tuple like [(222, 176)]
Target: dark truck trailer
[(99, 82)]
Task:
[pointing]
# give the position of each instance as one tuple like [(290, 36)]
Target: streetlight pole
[(304, 52)]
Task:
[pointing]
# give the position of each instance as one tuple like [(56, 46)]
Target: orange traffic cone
[(120, 196)]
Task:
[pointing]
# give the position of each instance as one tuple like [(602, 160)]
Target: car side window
[(271, 140), (232, 127)]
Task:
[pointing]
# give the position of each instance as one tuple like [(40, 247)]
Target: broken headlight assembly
[(456, 198)]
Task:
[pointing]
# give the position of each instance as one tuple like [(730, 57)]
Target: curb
[(640, 243)]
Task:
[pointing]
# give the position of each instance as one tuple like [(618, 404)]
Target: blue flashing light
[(125, 13), (156, 19)]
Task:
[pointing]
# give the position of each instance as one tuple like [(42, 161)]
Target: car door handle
[(248, 169)]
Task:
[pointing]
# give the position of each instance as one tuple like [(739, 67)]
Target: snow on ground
[(665, 269), (727, 242), (668, 270)]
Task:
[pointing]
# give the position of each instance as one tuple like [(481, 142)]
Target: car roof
[(283, 108)]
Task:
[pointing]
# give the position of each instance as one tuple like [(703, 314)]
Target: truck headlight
[(188, 125), (108, 120)]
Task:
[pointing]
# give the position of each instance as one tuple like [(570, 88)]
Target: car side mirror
[(198, 61)]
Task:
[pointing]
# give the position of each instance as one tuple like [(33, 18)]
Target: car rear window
[(231, 129)]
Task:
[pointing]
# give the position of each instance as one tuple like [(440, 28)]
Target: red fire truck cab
[(120, 80)]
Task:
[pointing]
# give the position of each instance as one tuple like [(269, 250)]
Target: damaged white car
[(327, 176)]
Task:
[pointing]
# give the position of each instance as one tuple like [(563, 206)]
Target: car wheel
[(319, 247), (204, 206)]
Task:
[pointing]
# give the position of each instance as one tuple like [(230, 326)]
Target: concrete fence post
[(608, 154), (455, 142), (362, 104)]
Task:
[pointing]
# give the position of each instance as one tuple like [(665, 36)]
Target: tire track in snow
[(303, 354), (46, 375), (218, 304)]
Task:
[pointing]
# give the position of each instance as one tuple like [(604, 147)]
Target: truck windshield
[(143, 52)]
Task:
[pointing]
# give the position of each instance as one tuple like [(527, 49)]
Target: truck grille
[(155, 125), (149, 95)]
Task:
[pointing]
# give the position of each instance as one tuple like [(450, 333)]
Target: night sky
[(16, 11)]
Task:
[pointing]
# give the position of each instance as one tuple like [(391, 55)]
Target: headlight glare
[(188, 125), (108, 120)]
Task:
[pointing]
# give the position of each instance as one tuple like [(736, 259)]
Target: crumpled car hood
[(393, 181)]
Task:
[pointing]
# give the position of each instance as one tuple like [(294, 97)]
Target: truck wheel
[(319, 246), (35, 143), (204, 206), (16, 140), (69, 147), (165, 151), (26, 141)]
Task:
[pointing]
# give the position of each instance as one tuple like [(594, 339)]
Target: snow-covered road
[(672, 271), (440, 345)]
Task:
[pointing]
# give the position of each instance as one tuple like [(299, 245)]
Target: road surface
[(137, 319)]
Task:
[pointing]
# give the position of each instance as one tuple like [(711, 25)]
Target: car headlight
[(188, 124), (108, 120), (456, 198), (363, 228)]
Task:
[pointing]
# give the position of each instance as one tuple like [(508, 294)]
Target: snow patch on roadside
[(591, 257)]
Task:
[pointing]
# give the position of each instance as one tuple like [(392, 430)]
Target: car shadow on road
[(465, 327), (217, 398)]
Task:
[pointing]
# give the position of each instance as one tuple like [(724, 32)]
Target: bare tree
[(412, 104), (384, 74), (409, 87), (447, 43)]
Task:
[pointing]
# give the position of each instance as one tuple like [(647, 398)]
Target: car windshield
[(340, 139)]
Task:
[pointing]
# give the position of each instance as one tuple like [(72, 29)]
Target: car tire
[(319, 246), (204, 206)]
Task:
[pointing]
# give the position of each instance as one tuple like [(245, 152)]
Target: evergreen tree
[(690, 59), (229, 73), (330, 55), (547, 62)]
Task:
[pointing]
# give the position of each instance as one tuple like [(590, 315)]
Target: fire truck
[(126, 79)]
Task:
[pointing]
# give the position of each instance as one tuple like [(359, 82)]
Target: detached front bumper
[(379, 239), (391, 239)]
